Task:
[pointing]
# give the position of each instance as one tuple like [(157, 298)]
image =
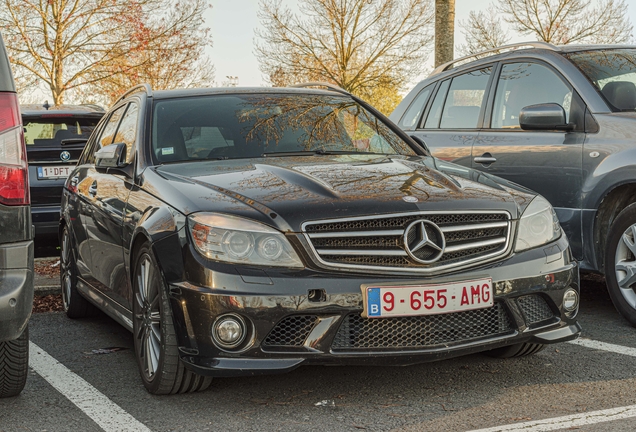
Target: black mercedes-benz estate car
[(560, 120), (55, 137), (248, 231)]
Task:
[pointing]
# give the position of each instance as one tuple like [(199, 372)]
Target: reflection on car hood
[(303, 188)]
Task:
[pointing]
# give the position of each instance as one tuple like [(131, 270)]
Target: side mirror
[(421, 143), (546, 117), (111, 156)]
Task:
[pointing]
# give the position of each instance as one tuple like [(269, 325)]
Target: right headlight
[(233, 239), (538, 225)]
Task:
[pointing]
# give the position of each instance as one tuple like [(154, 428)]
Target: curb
[(46, 290)]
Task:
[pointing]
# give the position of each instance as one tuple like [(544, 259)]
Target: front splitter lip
[(240, 366)]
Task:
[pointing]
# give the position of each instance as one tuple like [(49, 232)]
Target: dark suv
[(55, 137), (558, 120), (16, 240), (246, 231)]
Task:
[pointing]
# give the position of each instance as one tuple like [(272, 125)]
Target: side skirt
[(113, 309)]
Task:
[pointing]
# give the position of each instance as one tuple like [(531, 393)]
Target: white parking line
[(618, 349), (571, 421), (582, 419), (108, 415)]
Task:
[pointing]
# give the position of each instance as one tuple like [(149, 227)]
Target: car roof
[(167, 94), (34, 110)]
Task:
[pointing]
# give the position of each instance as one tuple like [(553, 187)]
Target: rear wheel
[(161, 369), (620, 263), (516, 350), (14, 365), (75, 305)]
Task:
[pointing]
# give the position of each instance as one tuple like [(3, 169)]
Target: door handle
[(485, 159), (92, 189)]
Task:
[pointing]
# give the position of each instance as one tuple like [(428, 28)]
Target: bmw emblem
[(65, 156)]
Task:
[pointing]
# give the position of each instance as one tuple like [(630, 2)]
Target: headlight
[(538, 225), (236, 240)]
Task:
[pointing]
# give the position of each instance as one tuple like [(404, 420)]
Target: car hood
[(287, 191)]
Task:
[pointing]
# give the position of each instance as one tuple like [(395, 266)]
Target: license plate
[(54, 172), (414, 300)]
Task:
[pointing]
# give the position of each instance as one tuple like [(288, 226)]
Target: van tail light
[(14, 173)]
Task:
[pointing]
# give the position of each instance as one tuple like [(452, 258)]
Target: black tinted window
[(243, 126), (466, 96)]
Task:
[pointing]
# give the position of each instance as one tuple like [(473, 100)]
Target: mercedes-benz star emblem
[(424, 241), (65, 156)]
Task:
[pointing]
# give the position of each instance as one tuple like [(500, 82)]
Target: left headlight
[(236, 240), (538, 225)]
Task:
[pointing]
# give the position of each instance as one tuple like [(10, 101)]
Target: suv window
[(465, 99), (51, 132), (436, 109), (413, 114), (523, 84)]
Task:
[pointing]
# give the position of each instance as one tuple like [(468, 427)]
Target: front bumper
[(16, 288), (312, 317)]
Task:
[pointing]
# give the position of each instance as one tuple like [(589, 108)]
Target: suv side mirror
[(111, 156), (546, 117)]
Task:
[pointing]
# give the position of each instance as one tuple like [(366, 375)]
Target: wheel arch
[(610, 205)]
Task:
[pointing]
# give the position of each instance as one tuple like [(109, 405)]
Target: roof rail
[(446, 66), (94, 106), (321, 84), (145, 87)]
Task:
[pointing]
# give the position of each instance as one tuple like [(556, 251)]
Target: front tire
[(75, 305), (620, 263), (156, 351), (14, 365)]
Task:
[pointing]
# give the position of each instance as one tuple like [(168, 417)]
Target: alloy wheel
[(625, 265), (148, 317), (66, 270)]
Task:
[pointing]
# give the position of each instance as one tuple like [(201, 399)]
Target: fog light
[(570, 301), (228, 331)]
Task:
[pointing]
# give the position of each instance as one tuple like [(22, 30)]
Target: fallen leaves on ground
[(48, 303), (49, 268)]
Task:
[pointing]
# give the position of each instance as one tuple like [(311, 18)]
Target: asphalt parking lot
[(587, 386)]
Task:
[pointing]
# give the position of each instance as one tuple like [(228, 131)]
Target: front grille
[(378, 241), (291, 331), (426, 331), (535, 308)]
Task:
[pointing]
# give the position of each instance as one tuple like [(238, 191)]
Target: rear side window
[(524, 84), (435, 112), (465, 99), (51, 131), (415, 110)]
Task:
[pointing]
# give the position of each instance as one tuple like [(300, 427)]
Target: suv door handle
[(485, 159)]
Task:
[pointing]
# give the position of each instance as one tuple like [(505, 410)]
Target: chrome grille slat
[(377, 242)]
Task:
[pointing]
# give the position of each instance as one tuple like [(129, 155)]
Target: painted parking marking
[(604, 346), (570, 421), (108, 415)]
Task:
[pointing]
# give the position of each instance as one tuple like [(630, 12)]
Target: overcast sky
[(232, 23)]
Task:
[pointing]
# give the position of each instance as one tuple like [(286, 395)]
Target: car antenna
[(46, 105)]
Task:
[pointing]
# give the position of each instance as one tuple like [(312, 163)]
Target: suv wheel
[(75, 305), (620, 263), (161, 369), (14, 365)]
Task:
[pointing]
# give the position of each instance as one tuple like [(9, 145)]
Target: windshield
[(613, 72), (51, 132), (258, 125)]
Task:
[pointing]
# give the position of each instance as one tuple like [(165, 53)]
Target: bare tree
[(70, 44), (444, 31), (569, 21), (482, 32), (367, 47)]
